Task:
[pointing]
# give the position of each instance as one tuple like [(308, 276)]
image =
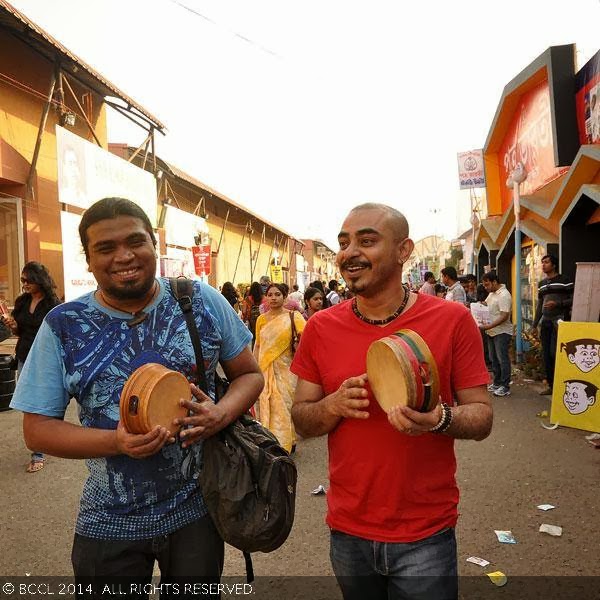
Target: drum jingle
[(402, 371), (150, 397)]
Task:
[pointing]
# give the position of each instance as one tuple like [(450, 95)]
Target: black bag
[(5, 332), (248, 480)]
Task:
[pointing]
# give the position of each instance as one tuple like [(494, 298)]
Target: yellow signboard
[(576, 389), (276, 274)]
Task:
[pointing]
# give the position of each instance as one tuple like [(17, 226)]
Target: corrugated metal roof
[(197, 183), (13, 20)]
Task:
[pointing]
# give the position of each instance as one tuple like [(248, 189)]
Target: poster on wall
[(202, 257), (575, 397), (78, 280), (276, 274), (181, 227), (587, 100), (87, 173), (471, 172)]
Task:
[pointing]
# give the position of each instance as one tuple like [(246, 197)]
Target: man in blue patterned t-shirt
[(136, 505)]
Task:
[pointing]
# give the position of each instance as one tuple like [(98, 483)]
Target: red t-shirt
[(384, 485)]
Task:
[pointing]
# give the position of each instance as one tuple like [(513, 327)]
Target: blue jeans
[(423, 570), (498, 346)]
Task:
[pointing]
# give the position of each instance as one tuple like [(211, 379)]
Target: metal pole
[(517, 177)]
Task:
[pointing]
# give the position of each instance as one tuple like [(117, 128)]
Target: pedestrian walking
[(319, 285), (428, 286), (455, 291), (555, 298), (392, 500), (313, 300), (499, 332), (274, 351), (298, 296), (137, 506), (231, 295), (251, 308), (37, 300), (333, 297)]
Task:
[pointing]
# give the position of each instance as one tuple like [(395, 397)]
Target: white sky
[(331, 104)]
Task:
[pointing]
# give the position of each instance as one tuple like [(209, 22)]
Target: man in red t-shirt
[(392, 502)]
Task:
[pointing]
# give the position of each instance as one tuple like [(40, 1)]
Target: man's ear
[(571, 359), (404, 250)]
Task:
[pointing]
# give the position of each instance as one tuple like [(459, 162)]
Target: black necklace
[(387, 319), (137, 317)]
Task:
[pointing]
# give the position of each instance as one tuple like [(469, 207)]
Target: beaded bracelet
[(445, 420)]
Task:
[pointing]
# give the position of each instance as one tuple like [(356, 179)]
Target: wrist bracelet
[(445, 420)]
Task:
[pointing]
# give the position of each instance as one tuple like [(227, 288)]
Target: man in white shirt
[(428, 286), (333, 296), (499, 331), (456, 292)]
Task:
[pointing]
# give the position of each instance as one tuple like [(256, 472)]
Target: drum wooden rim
[(151, 396), (402, 371)]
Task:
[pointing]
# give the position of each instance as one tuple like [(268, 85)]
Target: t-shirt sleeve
[(468, 363), (235, 335), (304, 364), (41, 388), (505, 303)]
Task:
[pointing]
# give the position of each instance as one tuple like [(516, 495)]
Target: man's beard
[(131, 291)]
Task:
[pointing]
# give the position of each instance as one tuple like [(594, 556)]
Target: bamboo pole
[(38, 141), (90, 126), (238, 258), (223, 231)]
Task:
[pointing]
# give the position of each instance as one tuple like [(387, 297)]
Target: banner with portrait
[(87, 173)]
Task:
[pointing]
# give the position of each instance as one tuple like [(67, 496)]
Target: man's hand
[(207, 418), (141, 445), (409, 421), (350, 400)]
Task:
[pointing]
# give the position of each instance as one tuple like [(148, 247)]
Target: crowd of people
[(281, 353)]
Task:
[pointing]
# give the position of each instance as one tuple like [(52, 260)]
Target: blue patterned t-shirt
[(86, 351)]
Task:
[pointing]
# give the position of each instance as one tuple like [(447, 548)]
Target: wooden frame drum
[(402, 371), (150, 397)]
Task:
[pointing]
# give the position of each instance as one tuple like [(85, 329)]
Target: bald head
[(396, 220)]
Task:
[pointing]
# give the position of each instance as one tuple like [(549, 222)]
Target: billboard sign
[(87, 173), (202, 256), (471, 172)]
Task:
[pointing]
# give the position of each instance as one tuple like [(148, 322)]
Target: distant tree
[(456, 255)]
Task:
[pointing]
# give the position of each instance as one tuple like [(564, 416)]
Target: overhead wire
[(235, 33)]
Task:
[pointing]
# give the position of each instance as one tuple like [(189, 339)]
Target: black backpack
[(248, 480)]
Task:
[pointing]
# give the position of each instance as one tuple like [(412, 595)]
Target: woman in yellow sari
[(273, 351)]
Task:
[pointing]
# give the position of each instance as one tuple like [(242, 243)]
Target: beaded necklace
[(387, 319)]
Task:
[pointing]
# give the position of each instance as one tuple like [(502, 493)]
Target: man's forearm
[(313, 419), (471, 421), (67, 440)]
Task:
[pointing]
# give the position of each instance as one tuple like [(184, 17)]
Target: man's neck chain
[(387, 320), (138, 316)]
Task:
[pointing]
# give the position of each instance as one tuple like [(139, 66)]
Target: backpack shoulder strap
[(183, 290)]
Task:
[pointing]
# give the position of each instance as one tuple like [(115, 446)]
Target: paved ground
[(502, 480)]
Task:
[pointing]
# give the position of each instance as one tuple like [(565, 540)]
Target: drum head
[(387, 374), (163, 401)]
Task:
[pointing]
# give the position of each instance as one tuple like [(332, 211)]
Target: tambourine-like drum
[(402, 371), (150, 397)]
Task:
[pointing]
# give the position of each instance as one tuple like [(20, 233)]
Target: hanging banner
[(276, 274), (576, 397), (202, 256), (470, 169), (87, 173), (587, 99)]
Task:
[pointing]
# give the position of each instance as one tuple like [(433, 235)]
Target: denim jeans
[(548, 333), (191, 555), (423, 570), (498, 346)]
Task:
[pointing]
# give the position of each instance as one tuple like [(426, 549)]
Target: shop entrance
[(12, 254)]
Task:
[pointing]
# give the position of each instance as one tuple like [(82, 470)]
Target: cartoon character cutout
[(583, 353), (579, 395)]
